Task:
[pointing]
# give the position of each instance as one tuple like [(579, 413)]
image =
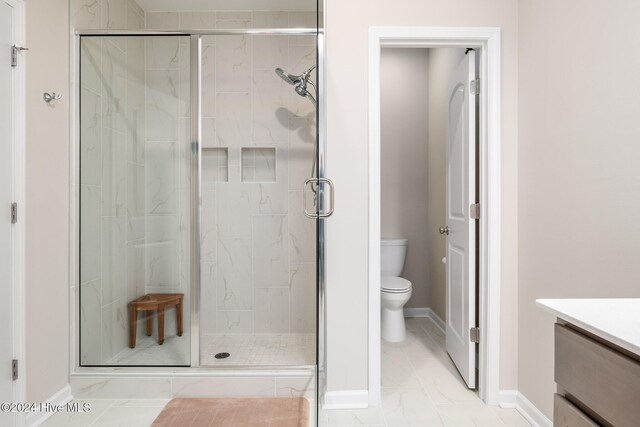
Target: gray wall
[(403, 91), (578, 167)]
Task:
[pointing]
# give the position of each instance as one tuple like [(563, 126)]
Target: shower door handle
[(318, 192)]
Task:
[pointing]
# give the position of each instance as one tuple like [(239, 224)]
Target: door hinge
[(14, 369), (474, 335), (475, 87), (14, 213), (474, 211), (14, 54)]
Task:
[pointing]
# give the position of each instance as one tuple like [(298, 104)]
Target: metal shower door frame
[(195, 165)]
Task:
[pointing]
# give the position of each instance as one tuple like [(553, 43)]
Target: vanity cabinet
[(598, 381)]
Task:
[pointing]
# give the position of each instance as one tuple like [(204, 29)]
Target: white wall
[(347, 24), (442, 63), (47, 204), (404, 145), (578, 167)]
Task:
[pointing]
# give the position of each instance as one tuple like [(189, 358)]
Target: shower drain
[(222, 355)]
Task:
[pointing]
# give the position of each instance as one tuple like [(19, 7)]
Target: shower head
[(300, 82), (302, 91), (289, 78)]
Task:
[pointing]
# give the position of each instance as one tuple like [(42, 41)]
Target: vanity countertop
[(616, 320)]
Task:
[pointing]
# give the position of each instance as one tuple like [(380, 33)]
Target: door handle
[(444, 230), (318, 192)]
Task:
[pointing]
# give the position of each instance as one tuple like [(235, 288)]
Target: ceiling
[(201, 5)]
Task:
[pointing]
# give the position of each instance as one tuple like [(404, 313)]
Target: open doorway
[(428, 200), (427, 206)]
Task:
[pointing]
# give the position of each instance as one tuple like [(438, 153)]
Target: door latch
[(14, 54)]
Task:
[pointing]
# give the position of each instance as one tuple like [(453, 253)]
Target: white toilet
[(395, 291)]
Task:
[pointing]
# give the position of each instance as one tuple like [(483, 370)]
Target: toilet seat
[(395, 285)]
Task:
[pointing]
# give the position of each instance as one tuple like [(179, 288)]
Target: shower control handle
[(444, 230)]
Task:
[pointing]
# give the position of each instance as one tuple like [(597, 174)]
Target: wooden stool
[(149, 303)]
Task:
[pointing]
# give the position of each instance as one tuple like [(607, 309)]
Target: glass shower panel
[(135, 201), (258, 250)]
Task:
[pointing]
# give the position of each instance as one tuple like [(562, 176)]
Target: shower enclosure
[(200, 181)]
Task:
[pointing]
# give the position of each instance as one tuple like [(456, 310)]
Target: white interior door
[(461, 237), (6, 198)]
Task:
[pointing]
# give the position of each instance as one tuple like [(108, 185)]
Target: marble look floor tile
[(414, 324), (79, 419), (296, 387), (258, 349), (408, 408), (511, 417), (434, 331), (231, 386), (142, 403), (128, 416), (398, 373), (478, 415), (356, 417), (120, 388), (417, 345), (174, 352), (442, 382)]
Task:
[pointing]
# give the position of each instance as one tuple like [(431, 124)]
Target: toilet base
[(392, 326)]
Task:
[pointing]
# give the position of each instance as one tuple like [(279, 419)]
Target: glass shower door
[(135, 201), (258, 249)]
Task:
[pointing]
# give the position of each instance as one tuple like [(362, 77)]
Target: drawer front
[(565, 414), (604, 380)]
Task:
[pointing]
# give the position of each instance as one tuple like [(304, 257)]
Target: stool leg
[(133, 318), (160, 325), (149, 316), (179, 317)]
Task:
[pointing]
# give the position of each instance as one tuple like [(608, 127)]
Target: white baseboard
[(425, 312), (515, 399), (507, 398), (348, 399), (416, 312), (62, 397)]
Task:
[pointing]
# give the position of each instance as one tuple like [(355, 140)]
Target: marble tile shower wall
[(258, 249), (111, 186), (258, 257), (167, 167)]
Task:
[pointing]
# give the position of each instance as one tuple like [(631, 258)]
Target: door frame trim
[(490, 145), (19, 196)]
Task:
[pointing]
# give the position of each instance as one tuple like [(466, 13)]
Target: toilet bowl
[(395, 291), (394, 294)]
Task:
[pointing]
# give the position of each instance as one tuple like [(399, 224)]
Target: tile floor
[(173, 352), (420, 387), (111, 413), (259, 349), (244, 350)]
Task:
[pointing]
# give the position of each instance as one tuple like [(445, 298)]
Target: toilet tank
[(392, 255)]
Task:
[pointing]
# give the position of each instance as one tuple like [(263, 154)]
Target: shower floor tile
[(174, 352), (259, 349), (243, 349)]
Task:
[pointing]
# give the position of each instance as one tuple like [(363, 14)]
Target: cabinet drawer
[(565, 414), (599, 377)]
